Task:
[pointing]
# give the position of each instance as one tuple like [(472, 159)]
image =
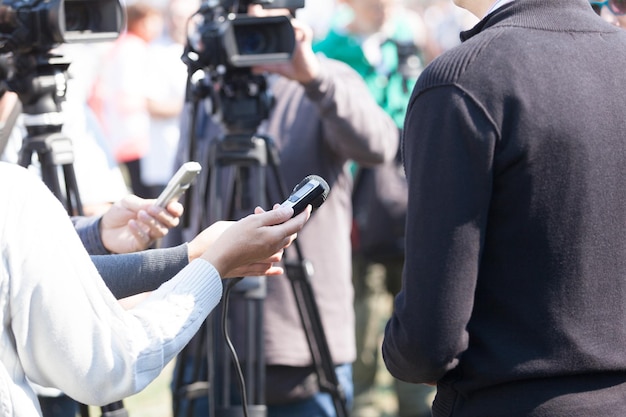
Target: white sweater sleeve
[(70, 332)]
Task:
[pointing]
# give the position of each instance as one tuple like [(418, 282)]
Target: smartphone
[(312, 190), (179, 183)]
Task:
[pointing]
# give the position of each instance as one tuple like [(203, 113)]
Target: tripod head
[(40, 81), (240, 101)]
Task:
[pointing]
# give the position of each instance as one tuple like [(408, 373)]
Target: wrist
[(194, 251), (312, 73), (218, 262), (89, 230)]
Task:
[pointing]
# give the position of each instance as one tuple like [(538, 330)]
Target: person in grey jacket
[(323, 116), (513, 297)]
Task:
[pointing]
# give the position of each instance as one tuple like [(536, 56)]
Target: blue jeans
[(319, 405)]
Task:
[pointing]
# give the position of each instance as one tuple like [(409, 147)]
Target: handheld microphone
[(312, 190)]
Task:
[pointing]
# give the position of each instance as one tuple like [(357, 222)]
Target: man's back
[(530, 217)]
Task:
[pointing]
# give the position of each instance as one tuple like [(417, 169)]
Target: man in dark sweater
[(514, 290)]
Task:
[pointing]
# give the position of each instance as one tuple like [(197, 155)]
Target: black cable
[(231, 347)]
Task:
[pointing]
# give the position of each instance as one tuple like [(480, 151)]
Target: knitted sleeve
[(69, 331), (134, 273)]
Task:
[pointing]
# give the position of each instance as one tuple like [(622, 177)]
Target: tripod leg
[(190, 380), (74, 204), (299, 276), (115, 409)]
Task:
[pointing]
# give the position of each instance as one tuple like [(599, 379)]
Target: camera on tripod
[(39, 25), (223, 35), (29, 30)]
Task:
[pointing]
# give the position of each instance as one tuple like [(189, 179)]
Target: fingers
[(141, 233), (273, 258), (133, 203), (283, 224), (169, 217), (303, 33), (289, 229), (175, 208), (255, 269), (296, 223), (274, 217), (156, 221), (150, 225)]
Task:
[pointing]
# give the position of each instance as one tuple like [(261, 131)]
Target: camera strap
[(7, 125)]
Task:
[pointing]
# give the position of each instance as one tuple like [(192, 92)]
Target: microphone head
[(319, 200)]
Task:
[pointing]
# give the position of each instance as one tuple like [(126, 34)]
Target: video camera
[(222, 34), (39, 25)]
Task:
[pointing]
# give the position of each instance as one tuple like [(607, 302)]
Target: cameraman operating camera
[(323, 116)]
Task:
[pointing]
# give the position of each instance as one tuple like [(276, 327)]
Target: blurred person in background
[(120, 92), (318, 14), (168, 80), (444, 20), (386, 44), (613, 11)]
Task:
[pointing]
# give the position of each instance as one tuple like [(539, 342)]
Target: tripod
[(249, 156), (40, 83)]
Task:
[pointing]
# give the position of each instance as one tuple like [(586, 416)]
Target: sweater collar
[(497, 4), (556, 15)]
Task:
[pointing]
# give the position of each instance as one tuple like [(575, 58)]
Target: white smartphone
[(179, 183)]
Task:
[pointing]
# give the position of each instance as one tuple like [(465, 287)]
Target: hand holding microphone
[(312, 190), (255, 242)]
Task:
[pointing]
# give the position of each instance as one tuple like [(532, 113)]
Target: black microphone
[(312, 190)]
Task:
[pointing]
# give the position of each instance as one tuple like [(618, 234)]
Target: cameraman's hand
[(304, 66), (251, 245), (133, 223)]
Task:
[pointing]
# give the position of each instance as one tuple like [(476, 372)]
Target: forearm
[(353, 122), (134, 273), (129, 348)]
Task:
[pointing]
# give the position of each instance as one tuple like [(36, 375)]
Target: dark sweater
[(514, 292)]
